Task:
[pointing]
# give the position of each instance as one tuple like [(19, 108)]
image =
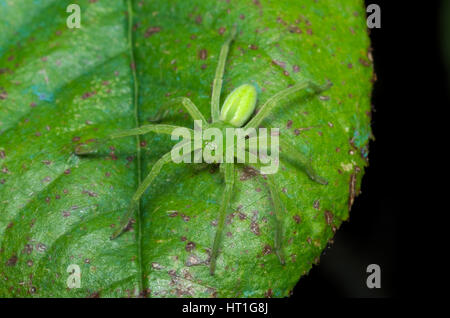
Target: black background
[(384, 227)]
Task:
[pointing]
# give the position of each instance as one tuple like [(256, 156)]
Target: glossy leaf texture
[(60, 87)]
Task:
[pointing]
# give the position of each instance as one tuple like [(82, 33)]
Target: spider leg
[(299, 159), (218, 79), (294, 156), (278, 209), (84, 149), (273, 101), (275, 194), (226, 198), (187, 104), (139, 192)]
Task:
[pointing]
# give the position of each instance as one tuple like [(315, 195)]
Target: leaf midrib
[(138, 141)]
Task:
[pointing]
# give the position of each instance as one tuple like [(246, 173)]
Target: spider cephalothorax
[(237, 111)]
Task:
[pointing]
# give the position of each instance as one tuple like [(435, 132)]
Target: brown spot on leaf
[(248, 173), (254, 227), (3, 94), (364, 62), (295, 29), (316, 204), (94, 295), (28, 248), (88, 94), (193, 260), (297, 218), (12, 261), (190, 246), (289, 124), (5, 70), (267, 250), (157, 266), (328, 217), (203, 54), (152, 30), (242, 216), (279, 63)]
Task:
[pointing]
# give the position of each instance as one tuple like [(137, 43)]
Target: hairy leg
[(84, 149), (300, 160), (278, 210), (139, 192), (275, 194), (187, 104), (218, 79), (226, 198), (274, 101), (293, 155)]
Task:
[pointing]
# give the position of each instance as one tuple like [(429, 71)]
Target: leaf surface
[(60, 87)]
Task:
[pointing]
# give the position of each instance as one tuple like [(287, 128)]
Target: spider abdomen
[(239, 105)]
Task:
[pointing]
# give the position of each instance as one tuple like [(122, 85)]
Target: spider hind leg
[(278, 209), (226, 199)]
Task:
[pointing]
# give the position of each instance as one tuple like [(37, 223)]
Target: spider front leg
[(84, 149), (218, 78), (140, 191), (164, 129), (166, 158), (274, 101), (186, 103), (226, 198)]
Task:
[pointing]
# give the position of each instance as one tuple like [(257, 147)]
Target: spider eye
[(239, 105)]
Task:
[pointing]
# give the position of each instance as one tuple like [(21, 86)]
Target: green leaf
[(60, 87)]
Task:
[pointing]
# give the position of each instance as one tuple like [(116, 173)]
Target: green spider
[(235, 113)]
